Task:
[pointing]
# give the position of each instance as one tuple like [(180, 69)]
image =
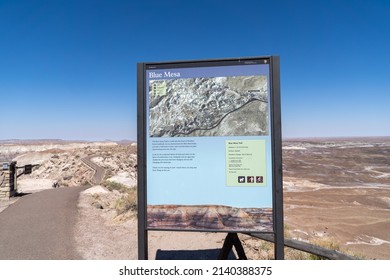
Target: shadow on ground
[(20, 194), (208, 254)]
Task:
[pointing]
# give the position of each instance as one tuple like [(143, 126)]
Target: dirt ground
[(103, 235), (351, 217)]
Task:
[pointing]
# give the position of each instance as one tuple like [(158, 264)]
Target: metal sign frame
[(275, 122)]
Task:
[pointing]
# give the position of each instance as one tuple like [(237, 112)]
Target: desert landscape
[(339, 189), (336, 194)]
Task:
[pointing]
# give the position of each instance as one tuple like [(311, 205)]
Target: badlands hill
[(60, 162)]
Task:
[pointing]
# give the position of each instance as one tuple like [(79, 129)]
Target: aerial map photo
[(217, 106)]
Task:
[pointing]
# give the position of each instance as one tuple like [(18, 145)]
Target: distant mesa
[(209, 217)]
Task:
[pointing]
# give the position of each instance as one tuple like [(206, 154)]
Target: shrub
[(110, 185)]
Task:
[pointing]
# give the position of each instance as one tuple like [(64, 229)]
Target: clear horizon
[(68, 68), (135, 140)]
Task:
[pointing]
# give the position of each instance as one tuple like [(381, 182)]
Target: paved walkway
[(99, 171), (40, 226)]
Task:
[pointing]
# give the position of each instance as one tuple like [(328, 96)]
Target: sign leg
[(230, 241)]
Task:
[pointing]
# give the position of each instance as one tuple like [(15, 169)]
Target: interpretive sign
[(209, 145), (27, 169)]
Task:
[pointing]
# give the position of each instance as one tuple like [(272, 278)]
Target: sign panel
[(208, 145), (28, 169)]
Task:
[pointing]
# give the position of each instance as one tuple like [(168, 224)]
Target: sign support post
[(141, 163), (277, 162)]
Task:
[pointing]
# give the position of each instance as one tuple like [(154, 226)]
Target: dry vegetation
[(127, 202)]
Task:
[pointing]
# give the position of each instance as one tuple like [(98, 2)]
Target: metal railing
[(307, 247)]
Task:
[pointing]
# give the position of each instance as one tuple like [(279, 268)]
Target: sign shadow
[(206, 254)]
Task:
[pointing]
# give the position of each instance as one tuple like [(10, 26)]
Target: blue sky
[(68, 68)]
